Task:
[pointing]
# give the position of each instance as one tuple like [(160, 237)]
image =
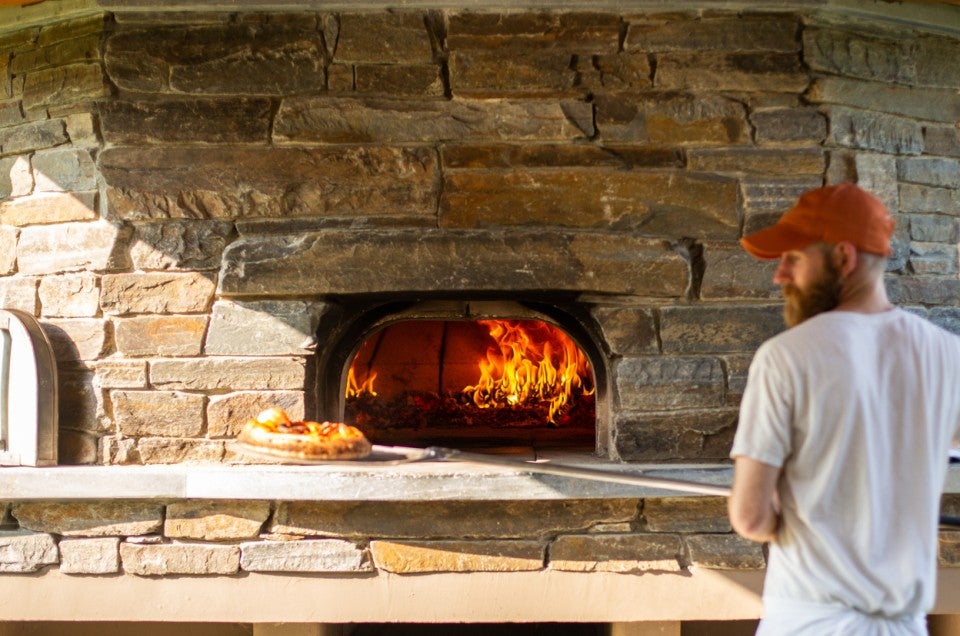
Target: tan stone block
[(615, 72), (767, 32), (583, 32), (91, 519), (16, 177), (395, 79), (489, 73), (753, 71), (724, 552), (934, 104), (33, 135), (70, 295), (81, 129), (505, 156), (737, 368), (179, 558), (90, 556), (651, 204), (948, 554), (391, 120), (261, 55), (926, 199), (160, 335), (789, 125), (65, 170), (197, 182), (50, 249), (49, 207), (942, 140), (167, 450), (654, 383), (163, 413), (8, 249), (457, 556), (340, 78), (718, 329), (769, 163), (320, 555), (732, 273), (393, 37), (209, 120), (121, 374), (64, 85), (344, 261), (670, 119), (19, 293), (686, 514), (180, 245), (67, 30), (269, 327), (628, 330), (6, 90), (615, 553), (215, 521), (157, 293), (226, 414), (690, 435), (77, 338), (22, 551), (267, 374), (853, 53), (871, 130), (463, 519)]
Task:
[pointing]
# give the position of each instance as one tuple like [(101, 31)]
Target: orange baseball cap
[(831, 214)]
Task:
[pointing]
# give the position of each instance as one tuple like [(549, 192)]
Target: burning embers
[(481, 382)]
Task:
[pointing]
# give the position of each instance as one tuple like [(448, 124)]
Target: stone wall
[(184, 197), (148, 538)]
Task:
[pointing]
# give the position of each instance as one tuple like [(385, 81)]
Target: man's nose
[(782, 274)]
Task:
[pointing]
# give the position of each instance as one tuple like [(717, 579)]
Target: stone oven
[(214, 209)]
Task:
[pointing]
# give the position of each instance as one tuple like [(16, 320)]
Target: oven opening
[(509, 385)]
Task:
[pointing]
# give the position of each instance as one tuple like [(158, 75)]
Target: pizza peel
[(395, 455)]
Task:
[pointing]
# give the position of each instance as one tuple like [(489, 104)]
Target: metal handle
[(579, 472), (632, 479)]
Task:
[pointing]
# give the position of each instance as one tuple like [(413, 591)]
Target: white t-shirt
[(859, 411)]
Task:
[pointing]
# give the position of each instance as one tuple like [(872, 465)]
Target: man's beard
[(822, 295)]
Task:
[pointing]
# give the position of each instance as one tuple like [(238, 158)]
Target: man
[(845, 428)]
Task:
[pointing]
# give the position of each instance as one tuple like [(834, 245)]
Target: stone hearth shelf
[(426, 481)]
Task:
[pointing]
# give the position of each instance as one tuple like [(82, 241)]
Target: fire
[(534, 362), (356, 389)]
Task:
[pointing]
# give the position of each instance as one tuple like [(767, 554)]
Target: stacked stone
[(183, 197), (894, 107), (666, 536)]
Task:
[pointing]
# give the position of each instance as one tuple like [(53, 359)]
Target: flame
[(534, 362), (355, 389)]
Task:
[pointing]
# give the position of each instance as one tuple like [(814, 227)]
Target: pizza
[(273, 433)]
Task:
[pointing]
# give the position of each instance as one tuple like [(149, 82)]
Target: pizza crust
[(304, 440)]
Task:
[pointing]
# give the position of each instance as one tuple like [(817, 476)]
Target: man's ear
[(845, 258)]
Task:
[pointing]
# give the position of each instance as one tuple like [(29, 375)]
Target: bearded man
[(845, 428)]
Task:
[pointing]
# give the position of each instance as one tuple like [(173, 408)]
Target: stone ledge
[(427, 481)]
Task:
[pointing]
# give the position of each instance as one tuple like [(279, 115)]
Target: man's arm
[(754, 505)]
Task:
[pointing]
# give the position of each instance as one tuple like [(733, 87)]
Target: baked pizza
[(273, 433)]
